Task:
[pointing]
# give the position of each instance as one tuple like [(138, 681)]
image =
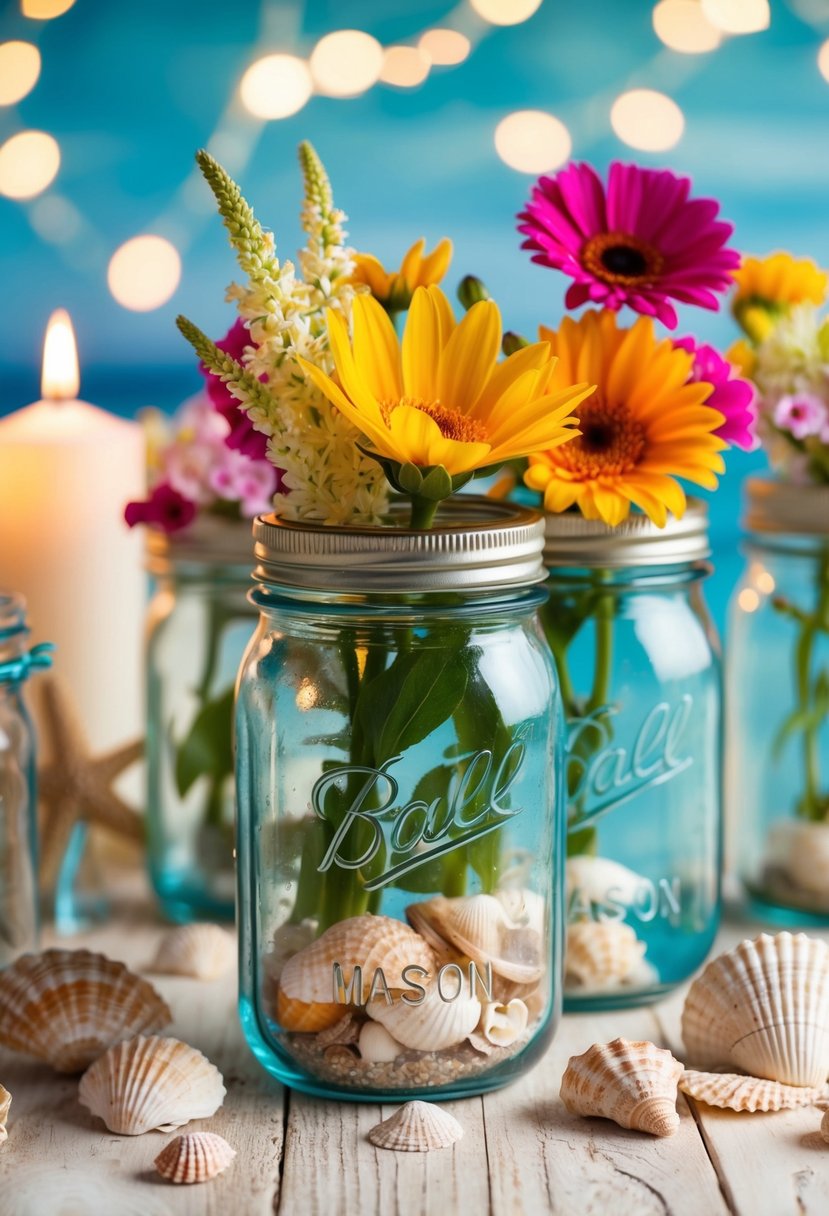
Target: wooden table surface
[(521, 1152)]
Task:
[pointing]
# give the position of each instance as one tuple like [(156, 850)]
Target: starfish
[(75, 786)]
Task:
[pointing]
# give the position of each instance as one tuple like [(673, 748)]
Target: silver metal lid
[(208, 541), (781, 507), (475, 544), (572, 540)]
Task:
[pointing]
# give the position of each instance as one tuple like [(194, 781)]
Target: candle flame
[(60, 379)]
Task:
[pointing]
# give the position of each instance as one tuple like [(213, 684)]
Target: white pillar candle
[(66, 471)]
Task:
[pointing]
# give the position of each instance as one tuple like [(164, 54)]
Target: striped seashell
[(194, 1157), (503, 1025), (5, 1103), (432, 1025), (203, 952), (733, 1091), (306, 1017), (600, 955), (151, 1084), (479, 928), (763, 1008), (417, 1127), (68, 1006), (634, 1084)]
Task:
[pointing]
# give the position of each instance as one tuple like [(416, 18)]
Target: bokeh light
[(19, 70), (445, 48), (748, 599), (29, 162), (738, 16), (144, 273), (505, 12), (823, 59), (532, 141), (647, 120), (346, 63), (55, 219), (43, 10), (276, 86), (405, 66), (683, 26)]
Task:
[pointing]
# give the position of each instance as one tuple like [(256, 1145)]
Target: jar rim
[(209, 540), (773, 505), (573, 541)]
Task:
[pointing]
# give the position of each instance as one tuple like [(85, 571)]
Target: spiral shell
[(478, 927), (5, 1103), (203, 952), (634, 1084), (417, 1127), (151, 1084), (68, 1006), (432, 1025), (731, 1091), (763, 1007), (600, 955), (194, 1157)]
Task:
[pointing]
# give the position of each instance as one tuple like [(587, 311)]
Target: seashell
[(764, 1008), (194, 1157), (732, 1091), (600, 955), (503, 1025), (478, 926), (5, 1103), (800, 847), (343, 1032), (524, 907), (68, 1006), (480, 1043), (377, 1045), (634, 1084), (417, 1127), (288, 940), (151, 1084), (202, 951), (433, 1024), (824, 1126), (598, 880), (305, 1017), (368, 942), (345, 1052)]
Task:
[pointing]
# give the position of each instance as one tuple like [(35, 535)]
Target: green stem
[(811, 805), (423, 513)]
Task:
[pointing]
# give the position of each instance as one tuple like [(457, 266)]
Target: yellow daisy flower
[(771, 285), (395, 288), (441, 399), (644, 426)]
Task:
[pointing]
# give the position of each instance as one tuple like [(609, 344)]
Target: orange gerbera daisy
[(644, 426)]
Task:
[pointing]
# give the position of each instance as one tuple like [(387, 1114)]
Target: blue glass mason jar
[(401, 825), (638, 664), (777, 769), (199, 623)]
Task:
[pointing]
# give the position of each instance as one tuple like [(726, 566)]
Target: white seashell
[(480, 1043), (433, 1024), (503, 1025), (202, 951), (151, 1084), (824, 1126), (477, 926), (598, 880), (194, 1157), (5, 1103), (763, 1007), (377, 1045), (634, 1084), (600, 955), (417, 1127), (732, 1091), (68, 1006), (524, 907), (800, 847)]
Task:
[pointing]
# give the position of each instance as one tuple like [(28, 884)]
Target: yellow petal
[(371, 271), (435, 265), (376, 349), (417, 438), (422, 347), (529, 358), (559, 495), (370, 425), (444, 311), (468, 357), (352, 381), (410, 266)]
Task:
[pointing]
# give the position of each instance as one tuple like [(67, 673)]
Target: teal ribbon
[(39, 658)]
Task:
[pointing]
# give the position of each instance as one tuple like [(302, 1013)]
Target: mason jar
[(199, 623), (778, 705), (638, 665), (401, 825)]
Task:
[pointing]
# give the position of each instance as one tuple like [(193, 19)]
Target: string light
[(683, 26), (346, 63), (445, 48), (44, 10), (404, 66), (29, 162), (532, 141), (505, 12), (19, 71), (738, 16), (647, 120), (276, 86), (144, 273)]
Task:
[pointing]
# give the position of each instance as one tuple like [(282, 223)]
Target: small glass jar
[(777, 770), (199, 623), (638, 665), (400, 826), (18, 797)]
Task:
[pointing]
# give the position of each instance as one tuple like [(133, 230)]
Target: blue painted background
[(131, 89)]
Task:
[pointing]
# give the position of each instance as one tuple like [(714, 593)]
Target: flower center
[(617, 258), (452, 423), (611, 442)]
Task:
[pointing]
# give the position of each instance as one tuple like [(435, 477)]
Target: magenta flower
[(241, 436), (733, 396), (639, 241), (802, 415), (165, 508)]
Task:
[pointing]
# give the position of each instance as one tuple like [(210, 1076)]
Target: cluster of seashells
[(602, 956), (503, 935), (81, 1012), (756, 1019)]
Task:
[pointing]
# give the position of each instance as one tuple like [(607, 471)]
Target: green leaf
[(208, 748), (437, 484), (433, 688)]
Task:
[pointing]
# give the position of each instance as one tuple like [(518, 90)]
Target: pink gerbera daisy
[(640, 241), (734, 397)]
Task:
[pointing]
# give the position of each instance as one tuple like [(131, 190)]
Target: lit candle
[(66, 470)]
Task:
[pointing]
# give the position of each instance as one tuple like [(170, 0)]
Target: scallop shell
[(479, 927), (824, 1126), (369, 942), (598, 880), (342, 1033), (376, 1044), (305, 1017), (732, 1091), (5, 1103), (68, 1006), (417, 1127), (151, 1084), (503, 1025), (432, 1025), (194, 1157), (600, 955), (634, 1084), (202, 951), (764, 1008)]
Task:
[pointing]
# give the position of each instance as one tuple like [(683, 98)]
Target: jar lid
[(781, 506), (208, 541), (572, 540), (475, 544)]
